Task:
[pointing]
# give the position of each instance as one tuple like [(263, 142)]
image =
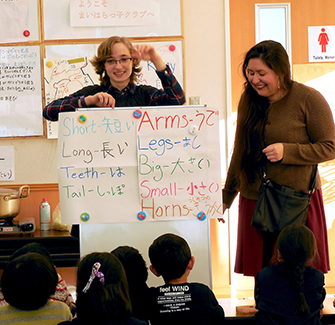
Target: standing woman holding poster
[(117, 63), (286, 127)]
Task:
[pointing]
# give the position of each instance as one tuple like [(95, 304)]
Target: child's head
[(102, 296), (170, 256), (31, 248), (133, 264), (296, 244), (28, 281)]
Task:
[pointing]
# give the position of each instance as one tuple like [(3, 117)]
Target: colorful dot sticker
[(141, 216), (201, 216), (137, 113), (26, 33), (82, 118), (172, 48), (49, 64), (85, 216)]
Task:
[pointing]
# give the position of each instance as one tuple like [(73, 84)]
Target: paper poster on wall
[(7, 171), (18, 21), (64, 76), (114, 13), (118, 168), (57, 24), (14, 14), (20, 91)]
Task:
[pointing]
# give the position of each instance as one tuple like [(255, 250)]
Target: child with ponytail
[(291, 292)]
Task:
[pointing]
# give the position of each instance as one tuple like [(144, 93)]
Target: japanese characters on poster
[(85, 13), (118, 167), (7, 170), (20, 91)]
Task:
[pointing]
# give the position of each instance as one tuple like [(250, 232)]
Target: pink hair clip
[(95, 273)]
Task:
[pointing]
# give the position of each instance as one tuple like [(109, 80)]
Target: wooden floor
[(233, 317)]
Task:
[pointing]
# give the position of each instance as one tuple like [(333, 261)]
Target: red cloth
[(249, 251)]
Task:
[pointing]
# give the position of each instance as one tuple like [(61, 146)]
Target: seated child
[(291, 292), (27, 283), (178, 302), (61, 294), (137, 276), (102, 292)]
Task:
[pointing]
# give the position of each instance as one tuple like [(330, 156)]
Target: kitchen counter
[(63, 246)]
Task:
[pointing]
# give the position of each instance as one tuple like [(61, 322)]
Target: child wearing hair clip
[(102, 292)]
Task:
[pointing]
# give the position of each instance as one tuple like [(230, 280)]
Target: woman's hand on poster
[(101, 99), (274, 152)]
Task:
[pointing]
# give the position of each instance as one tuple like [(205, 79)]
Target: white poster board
[(19, 21), (115, 167), (20, 91)]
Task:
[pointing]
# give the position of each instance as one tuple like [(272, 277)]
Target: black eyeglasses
[(123, 61)]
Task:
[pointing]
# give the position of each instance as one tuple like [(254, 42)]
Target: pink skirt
[(251, 246)]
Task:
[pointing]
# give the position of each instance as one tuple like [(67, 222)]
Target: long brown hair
[(251, 123)]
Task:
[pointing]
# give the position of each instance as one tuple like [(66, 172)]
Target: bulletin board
[(73, 73), (55, 30)]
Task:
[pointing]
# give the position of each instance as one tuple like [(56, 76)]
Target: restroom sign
[(321, 45)]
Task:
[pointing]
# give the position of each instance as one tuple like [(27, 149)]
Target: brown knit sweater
[(303, 122)]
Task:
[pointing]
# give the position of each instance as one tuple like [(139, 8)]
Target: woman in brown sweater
[(288, 127)]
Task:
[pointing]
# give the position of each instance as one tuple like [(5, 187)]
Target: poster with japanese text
[(20, 91), (114, 13), (128, 165)]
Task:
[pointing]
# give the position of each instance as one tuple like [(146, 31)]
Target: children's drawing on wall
[(62, 77), (171, 53)]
